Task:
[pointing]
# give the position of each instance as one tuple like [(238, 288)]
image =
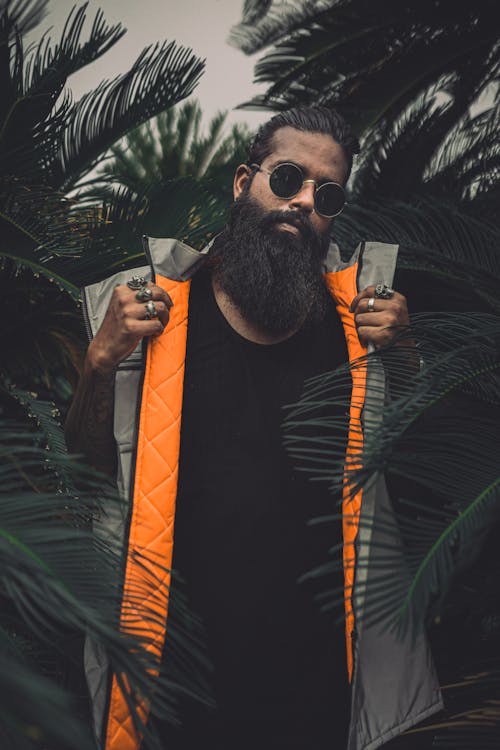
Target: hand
[(379, 327), (124, 325)]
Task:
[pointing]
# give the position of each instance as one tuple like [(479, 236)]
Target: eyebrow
[(305, 171)]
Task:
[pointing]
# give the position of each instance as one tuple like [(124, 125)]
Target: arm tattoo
[(89, 425)]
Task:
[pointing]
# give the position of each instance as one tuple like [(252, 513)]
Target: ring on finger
[(144, 294), (382, 291), (371, 304), (151, 311), (136, 282)]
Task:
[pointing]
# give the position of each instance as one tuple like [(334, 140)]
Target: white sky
[(202, 25)]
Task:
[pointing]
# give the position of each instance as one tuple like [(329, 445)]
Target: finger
[(376, 335), (141, 328), (368, 305), (139, 311), (372, 319), (161, 294), (151, 292), (162, 312), (366, 293)]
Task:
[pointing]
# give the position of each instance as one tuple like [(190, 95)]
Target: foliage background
[(419, 81)]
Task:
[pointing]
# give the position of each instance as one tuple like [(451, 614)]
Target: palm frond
[(432, 133), (48, 559), (436, 440), (467, 161), (372, 61), (22, 16), (174, 144), (39, 223), (161, 76), (34, 709), (264, 22), (32, 119), (48, 67), (441, 249), (254, 10)]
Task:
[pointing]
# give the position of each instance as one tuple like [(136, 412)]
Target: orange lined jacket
[(392, 681)]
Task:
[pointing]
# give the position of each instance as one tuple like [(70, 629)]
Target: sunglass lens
[(286, 180), (329, 199)]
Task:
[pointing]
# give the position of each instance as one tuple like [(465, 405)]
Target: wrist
[(97, 362)]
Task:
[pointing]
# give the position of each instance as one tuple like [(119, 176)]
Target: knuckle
[(129, 311), (121, 292), (129, 325)]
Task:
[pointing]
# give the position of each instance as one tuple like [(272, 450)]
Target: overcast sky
[(202, 25)]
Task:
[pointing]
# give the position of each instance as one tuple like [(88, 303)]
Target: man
[(263, 317)]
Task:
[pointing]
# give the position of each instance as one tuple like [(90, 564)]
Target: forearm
[(89, 424)]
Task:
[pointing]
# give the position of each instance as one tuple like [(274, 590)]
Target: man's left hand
[(378, 322)]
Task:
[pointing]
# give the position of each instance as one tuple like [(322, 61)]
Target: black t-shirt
[(242, 538)]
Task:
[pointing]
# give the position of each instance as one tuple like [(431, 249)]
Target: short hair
[(309, 120)]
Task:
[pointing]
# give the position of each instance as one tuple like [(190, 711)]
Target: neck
[(240, 324)]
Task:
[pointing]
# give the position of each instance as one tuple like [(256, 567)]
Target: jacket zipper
[(138, 405), (85, 313)]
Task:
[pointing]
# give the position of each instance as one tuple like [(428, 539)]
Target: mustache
[(295, 218)]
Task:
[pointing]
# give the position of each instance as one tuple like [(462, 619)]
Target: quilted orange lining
[(342, 285), (145, 596)]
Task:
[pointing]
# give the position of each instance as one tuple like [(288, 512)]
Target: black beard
[(274, 277)]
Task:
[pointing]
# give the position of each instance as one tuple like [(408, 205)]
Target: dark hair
[(309, 120)]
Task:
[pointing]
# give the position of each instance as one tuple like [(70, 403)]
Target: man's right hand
[(124, 325)]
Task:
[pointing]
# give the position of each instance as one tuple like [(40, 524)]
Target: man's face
[(319, 157), (272, 251)]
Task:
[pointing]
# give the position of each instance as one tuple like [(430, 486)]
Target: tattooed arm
[(89, 425)]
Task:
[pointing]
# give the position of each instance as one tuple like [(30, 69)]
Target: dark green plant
[(372, 58), (60, 583), (173, 145), (405, 76), (51, 244)]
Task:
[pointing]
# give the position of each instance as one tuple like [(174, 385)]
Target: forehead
[(317, 153)]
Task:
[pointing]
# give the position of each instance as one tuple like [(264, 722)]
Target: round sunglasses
[(286, 180)]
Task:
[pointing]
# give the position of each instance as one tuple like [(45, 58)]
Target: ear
[(241, 176)]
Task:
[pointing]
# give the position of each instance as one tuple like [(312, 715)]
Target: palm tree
[(172, 145), (405, 75), (181, 178), (50, 245), (372, 58)]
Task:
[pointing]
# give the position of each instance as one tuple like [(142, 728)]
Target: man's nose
[(304, 200)]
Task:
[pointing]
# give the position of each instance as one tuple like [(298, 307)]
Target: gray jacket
[(393, 681)]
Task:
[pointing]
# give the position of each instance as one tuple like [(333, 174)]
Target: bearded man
[(232, 334)]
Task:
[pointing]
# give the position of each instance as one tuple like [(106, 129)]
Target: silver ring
[(371, 304), (144, 294), (136, 282), (151, 311), (382, 291)]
